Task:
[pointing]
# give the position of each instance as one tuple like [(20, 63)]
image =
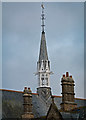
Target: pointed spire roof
[(43, 49)]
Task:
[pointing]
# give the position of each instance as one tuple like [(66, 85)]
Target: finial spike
[(42, 17), (42, 5)]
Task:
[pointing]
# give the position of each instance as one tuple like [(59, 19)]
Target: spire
[(43, 64), (43, 49)]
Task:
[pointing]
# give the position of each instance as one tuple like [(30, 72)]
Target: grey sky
[(21, 28)]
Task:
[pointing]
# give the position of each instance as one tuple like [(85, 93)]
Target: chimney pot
[(25, 88), (67, 74), (70, 76), (29, 90), (64, 75)]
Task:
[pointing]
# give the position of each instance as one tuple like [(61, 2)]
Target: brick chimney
[(27, 105), (68, 100)]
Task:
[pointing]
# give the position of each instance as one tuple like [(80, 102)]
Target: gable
[(53, 113)]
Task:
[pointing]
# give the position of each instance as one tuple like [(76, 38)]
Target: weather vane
[(42, 17)]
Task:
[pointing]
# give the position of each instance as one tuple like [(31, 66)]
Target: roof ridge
[(37, 94)]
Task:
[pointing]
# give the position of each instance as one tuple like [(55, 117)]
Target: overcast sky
[(21, 35)]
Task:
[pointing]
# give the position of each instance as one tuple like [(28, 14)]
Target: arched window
[(46, 81), (42, 81)]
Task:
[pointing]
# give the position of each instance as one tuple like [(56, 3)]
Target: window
[(42, 81), (42, 75), (46, 81)]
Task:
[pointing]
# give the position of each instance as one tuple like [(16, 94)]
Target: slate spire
[(43, 48)]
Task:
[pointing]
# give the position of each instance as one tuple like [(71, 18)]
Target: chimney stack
[(27, 97), (68, 100)]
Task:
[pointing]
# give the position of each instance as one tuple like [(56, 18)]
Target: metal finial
[(42, 17)]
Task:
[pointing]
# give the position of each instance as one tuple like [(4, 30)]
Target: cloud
[(21, 43)]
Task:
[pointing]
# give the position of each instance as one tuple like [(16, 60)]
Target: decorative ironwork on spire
[(43, 48), (42, 17)]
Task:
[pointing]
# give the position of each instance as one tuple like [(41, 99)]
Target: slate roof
[(12, 105)]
